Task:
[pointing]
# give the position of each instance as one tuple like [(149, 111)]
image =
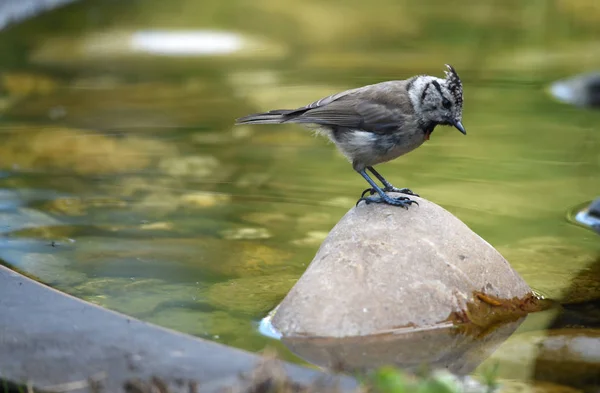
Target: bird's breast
[(371, 148), (395, 145)]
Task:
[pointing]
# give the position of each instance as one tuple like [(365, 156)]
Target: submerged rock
[(250, 295), (30, 147), (568, 356), (382, 268)]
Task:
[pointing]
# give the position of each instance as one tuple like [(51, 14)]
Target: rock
[(590, 216), (564, 356), (382, 268), (580, 90)]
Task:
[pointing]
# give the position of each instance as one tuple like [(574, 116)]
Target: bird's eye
[(446, 103)]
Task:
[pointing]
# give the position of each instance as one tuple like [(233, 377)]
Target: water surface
[(124, 182)]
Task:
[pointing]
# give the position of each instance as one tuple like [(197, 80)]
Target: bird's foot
[(404, 202), (400, 190), (406, 191)]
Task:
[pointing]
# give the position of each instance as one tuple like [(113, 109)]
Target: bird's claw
[(406, 191), (371, 191), (404, 202)]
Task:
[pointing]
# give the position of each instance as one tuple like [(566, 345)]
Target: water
[(125, 183)]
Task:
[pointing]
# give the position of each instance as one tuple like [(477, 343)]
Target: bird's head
[(438, 101)]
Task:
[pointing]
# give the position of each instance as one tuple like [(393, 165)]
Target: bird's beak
[(459, 126)]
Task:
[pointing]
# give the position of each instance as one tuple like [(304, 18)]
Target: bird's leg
[(405, 202), (387, 186)]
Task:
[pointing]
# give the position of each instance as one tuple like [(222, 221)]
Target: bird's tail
[(272, 117)]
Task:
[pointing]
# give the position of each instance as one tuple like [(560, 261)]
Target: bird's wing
[(359, 108)]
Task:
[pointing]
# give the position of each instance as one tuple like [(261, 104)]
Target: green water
[(125, 183)]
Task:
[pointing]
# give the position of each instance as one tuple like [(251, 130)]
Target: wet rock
[(589, 216), (382, 268), (137, 297), (580, 90), (565, 356)]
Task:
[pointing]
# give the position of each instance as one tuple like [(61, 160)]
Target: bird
[(377, 123)]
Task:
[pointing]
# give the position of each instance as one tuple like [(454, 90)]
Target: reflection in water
[(448, 348)]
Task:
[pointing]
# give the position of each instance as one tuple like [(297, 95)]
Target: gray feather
[(360, 108)]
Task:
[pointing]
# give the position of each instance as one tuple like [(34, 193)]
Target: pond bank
[(56, 339)]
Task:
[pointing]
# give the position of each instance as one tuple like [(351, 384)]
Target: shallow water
[(125, 183)]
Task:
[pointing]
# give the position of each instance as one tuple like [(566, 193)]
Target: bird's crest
[(454, 84)]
